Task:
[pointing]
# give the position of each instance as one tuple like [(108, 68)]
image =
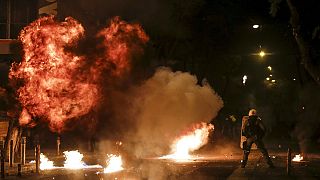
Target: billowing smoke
[(165, 105)]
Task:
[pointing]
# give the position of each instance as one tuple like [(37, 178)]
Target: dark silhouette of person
[(254, 130)]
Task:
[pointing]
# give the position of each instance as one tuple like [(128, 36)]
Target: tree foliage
[(305, 30)]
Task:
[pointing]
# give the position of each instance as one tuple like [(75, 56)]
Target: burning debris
[(114, 164), (192, 141), (297, 158)]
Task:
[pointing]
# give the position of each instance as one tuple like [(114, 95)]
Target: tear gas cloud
[(164, 106)]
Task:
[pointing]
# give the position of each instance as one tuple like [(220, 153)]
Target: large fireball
[(59, 85)]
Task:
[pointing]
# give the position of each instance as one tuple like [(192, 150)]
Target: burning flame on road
[(73, 160), (114, 164), (297, 158), (45, 164), (192, 141)]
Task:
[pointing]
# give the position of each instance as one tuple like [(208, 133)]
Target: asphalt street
[(204, 167)]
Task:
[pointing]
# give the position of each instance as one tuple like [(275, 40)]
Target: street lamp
[(270, 68), (262, 54), (244, 79), (255, 26)]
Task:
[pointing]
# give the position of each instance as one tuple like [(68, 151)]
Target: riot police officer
[(254, 130)]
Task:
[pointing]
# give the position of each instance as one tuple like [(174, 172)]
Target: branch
[(303, 45)]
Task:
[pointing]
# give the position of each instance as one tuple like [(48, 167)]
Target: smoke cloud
[(165, 105)]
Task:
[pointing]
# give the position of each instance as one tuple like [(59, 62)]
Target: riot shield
[(243, 138)]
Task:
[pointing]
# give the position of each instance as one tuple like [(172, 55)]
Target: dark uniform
[(254, 131)]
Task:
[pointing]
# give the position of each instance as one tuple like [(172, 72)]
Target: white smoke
[(166, 104)]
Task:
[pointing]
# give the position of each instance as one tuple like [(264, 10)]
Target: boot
[(266, 156), (245, 159)]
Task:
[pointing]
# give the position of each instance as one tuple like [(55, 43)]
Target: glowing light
[(262, 54), (255, 26), (73, 160), (45, 163), (244, 79), (270, 68), (114, 164), (190, 142), (297, 158), (119, 143), (267, 78), (294, 79), (273, 80), (270, 75)]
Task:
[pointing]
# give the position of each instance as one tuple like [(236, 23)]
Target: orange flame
[(55, 86), (50, 89), (114, 164), (24, 118), (121, 41), (192, 141), (73, 160), (45, 164), (297, 158)]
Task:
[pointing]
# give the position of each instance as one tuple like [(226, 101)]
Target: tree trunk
[(303, 45)]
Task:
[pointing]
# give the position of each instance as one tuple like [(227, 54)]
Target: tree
[(302, 25)]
